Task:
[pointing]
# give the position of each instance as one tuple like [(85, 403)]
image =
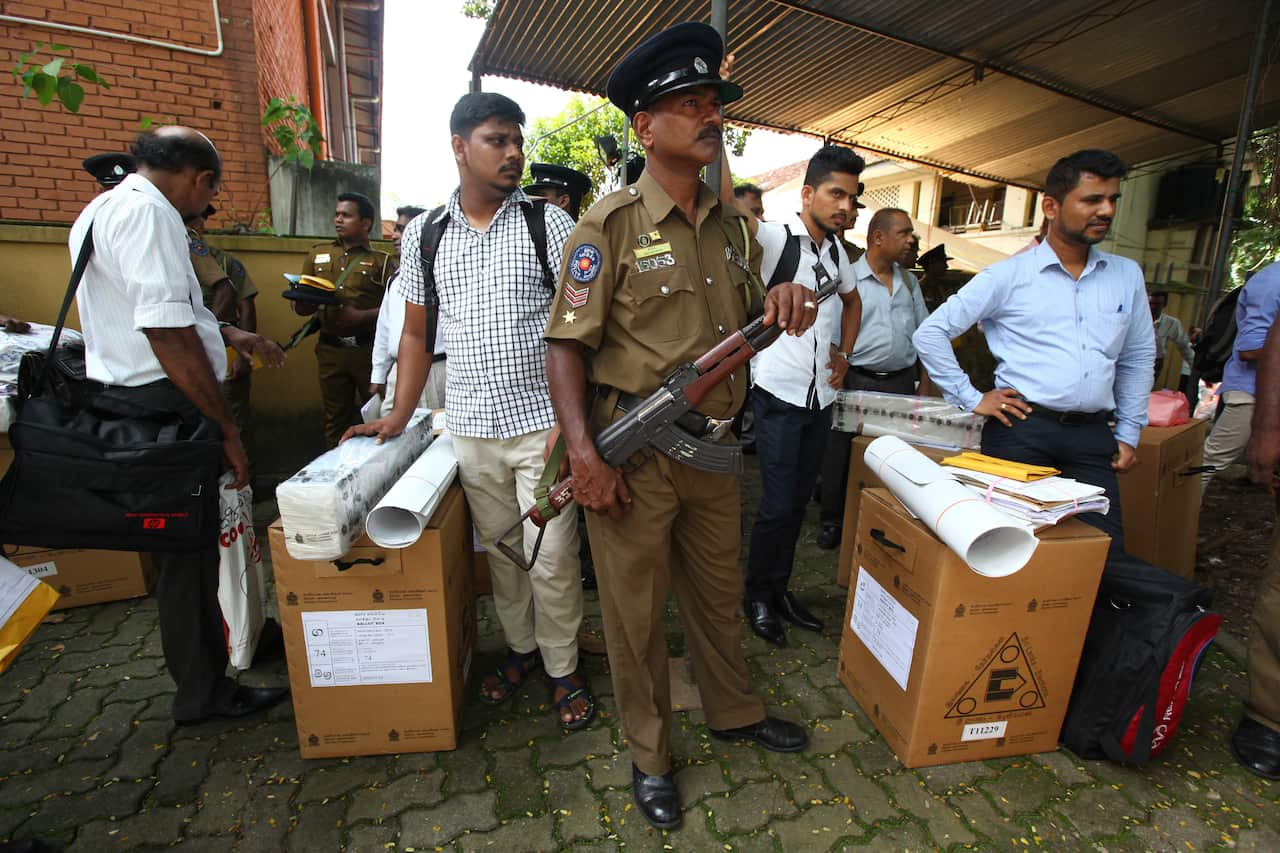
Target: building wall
[(41, 179)]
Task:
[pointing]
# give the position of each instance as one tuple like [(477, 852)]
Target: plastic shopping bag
[(1167, 408), (242, 591)]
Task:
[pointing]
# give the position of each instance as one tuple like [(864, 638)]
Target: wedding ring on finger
[(810, 304)]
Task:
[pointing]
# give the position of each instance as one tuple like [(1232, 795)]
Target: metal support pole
[(1236, 176), (475, 77), (720, 22)]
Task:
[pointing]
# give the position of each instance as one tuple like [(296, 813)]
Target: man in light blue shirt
[(1071, 332), (1256, 310)]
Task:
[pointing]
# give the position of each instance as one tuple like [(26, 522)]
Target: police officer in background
[(655, 275), (559, 185), (344, 352), (225, 270)]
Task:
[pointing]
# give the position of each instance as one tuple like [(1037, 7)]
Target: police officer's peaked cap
[(635, 166), (559, 177), (679, 57), (937, 253), (862, 188), (110, 169)]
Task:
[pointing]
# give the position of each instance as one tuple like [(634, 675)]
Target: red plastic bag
[(1167, 408)]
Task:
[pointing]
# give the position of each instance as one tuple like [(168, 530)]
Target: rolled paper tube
[(397, 521)]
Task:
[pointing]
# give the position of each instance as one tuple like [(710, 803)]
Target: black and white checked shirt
[(494, 309)]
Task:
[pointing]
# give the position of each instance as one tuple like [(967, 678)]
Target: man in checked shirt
[(493, 300)]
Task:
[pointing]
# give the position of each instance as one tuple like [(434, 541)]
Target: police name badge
[(584, 264), (655, 263), (322, 259)]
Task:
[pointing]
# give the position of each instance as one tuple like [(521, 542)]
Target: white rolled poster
[(991, 542), (397, 521)]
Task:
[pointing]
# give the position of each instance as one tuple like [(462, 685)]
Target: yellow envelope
[(24, 601), (1000, 467)]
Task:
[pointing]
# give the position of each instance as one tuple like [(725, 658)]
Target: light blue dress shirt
[(1255, 312), (888, 319), (1071, 346)]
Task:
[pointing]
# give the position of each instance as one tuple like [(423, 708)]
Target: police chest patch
[(199, 248), (584, 265)]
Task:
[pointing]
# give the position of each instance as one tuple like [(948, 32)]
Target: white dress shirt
[(794, 369), (386, 337), (139, 277)]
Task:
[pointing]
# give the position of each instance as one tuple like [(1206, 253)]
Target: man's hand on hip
[(1125, 459), (1001, 403)]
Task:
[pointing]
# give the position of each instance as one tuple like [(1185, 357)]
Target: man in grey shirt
[(884, 358)]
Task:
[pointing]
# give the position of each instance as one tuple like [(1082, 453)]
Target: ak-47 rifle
[(652, 424)]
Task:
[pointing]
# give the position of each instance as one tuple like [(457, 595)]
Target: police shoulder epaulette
[(615, 200)]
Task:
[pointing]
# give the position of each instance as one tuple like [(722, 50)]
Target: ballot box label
[(42, 570), (884, 626), (984, 731), (364, 647)]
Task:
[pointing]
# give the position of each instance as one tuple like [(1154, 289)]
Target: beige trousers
[(1230, 434), (1263, 703), (541, 608), (432, 392)]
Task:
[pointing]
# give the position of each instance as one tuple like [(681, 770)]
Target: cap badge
[(699, 65)]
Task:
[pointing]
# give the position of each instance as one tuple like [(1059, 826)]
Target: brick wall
[(40, 174)]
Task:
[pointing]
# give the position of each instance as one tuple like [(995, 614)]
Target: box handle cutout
[(343, 565), (885, 542), (1196, 470)]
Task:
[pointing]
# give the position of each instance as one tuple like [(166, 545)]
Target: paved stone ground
[(91, 762)]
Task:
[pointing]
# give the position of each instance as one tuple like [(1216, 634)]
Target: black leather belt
[(881, 374), (365, 340), (697, 425), (1070, 418)]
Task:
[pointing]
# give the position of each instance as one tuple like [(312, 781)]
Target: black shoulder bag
[(125, 469)]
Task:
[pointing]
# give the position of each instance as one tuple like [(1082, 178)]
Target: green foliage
[(57, 77), (294, 130), (478, 9), (575, 146), (1256, 241)]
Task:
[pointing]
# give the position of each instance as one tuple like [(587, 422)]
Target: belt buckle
[(348, 341), (717, 428), (1071, 418)]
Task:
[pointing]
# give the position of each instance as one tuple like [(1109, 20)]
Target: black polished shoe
[(657, 798), (1257, 747), (771, 733), (794, 612), (763, 619), (243, 702), (829, 537)]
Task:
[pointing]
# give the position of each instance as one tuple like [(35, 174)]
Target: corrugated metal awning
[(996, 90)]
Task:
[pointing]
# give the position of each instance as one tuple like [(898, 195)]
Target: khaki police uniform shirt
[(234, 270), (645, 290), (363, 287), (208, 271)]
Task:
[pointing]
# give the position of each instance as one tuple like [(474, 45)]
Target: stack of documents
[(24, 601), (1042, 503)]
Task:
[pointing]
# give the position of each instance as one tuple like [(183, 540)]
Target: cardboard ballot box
[(379, 642), (1160, 498), (861, 477), (87, 577), (953, 666)]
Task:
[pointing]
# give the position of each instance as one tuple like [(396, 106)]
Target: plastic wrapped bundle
[(918, 420), (323, 506)]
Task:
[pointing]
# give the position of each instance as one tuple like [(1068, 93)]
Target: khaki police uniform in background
[(212, 265), (345, 362), (646, 310)]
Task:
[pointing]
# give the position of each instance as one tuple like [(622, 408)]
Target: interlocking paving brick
[(624, 823), (318, 828), (982, 817), (221, 800), (520, 785), (429, 828), (329, 782), (1097, 812), (870, 802), (818, 828), (113, 800), (373, 838), (183, 769), (40, 700), (110, 676), (612, 771), (750, 807), (905, 837), (577, 747), (509, 733), (954, 778), (417, 790), (834, 733), (573, 805), (154, 827), (533, 834), (1025, 787), (465, 768), (1177, 828), (135, 689), (66, 779), (944, 824), (105, 736), (1069, 769), (695, 782)]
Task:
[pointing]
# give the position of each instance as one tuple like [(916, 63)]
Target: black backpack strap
[(429, 241), (77, 273), (535, 217), (789, 261)]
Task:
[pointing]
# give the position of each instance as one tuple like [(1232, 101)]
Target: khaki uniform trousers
[(1230, 434), (236, 393), (1264, 643), (541, 608), (682, 532), (344, 386), (432, 393)]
